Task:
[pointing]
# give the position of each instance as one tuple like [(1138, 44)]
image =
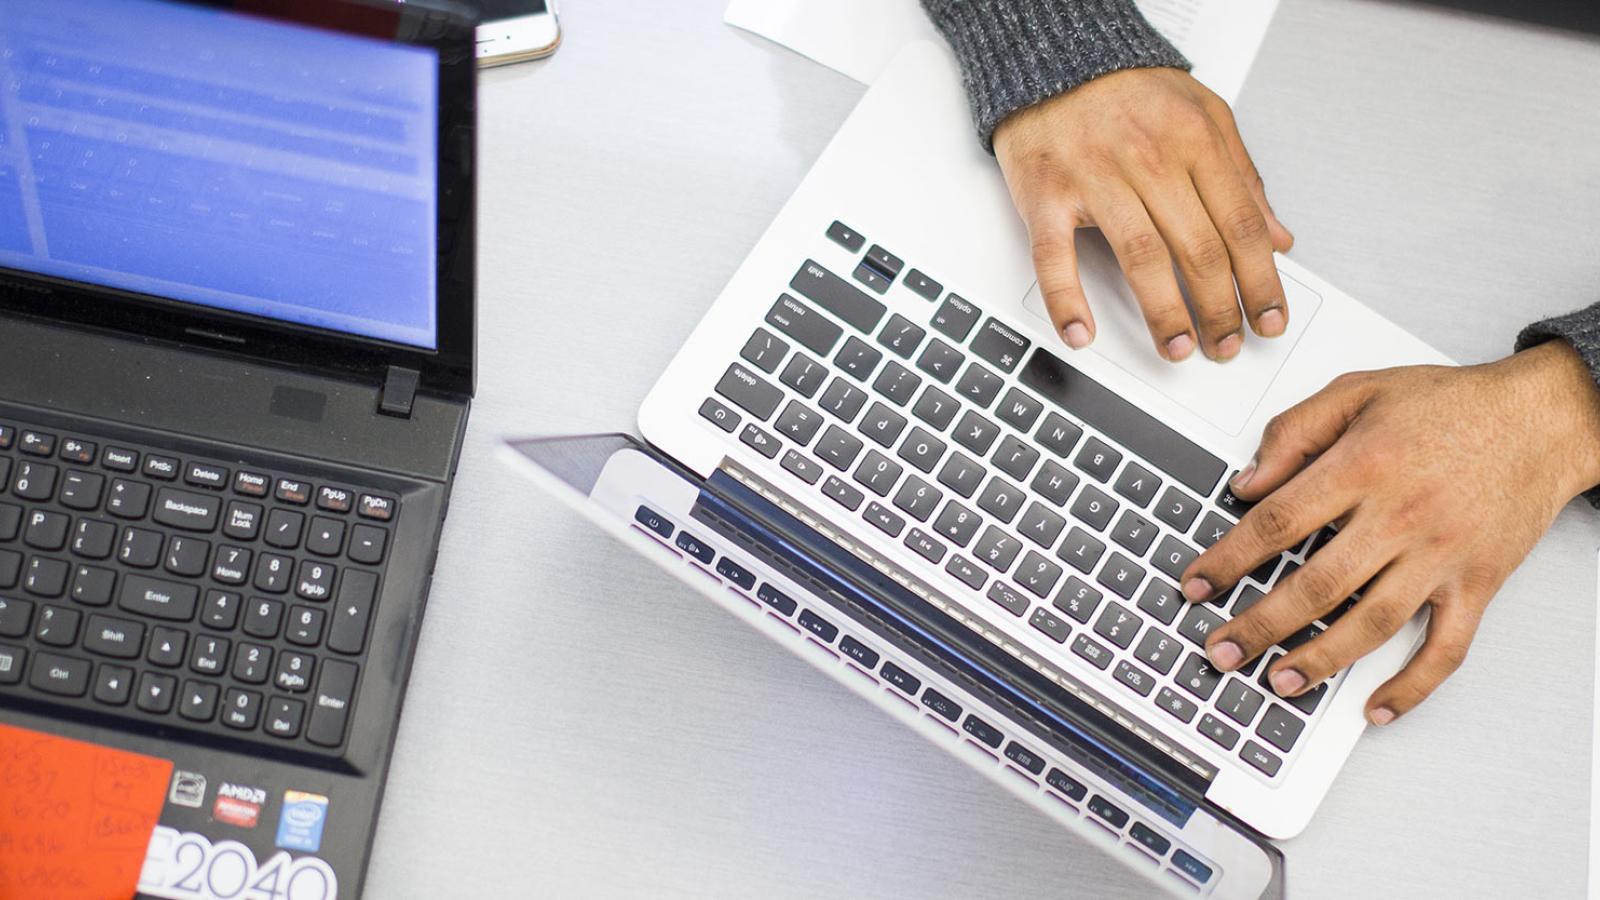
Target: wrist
[(1562, 394)]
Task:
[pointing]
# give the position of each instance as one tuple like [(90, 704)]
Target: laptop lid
[(1149, 816), (288, 180)]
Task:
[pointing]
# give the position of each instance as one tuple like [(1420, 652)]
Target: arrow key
[(199, 701), (112, 685), (155, 692)]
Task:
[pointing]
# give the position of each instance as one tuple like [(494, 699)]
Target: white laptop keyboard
[(1059, 501)]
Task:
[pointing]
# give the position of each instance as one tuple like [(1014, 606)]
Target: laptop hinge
[(399, 392)]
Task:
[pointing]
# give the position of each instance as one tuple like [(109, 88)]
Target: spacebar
[(1122, 422)]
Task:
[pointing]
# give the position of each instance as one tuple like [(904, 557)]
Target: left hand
[(1440, 479)]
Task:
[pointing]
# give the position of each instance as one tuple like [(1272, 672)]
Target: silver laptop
[(875, 449)]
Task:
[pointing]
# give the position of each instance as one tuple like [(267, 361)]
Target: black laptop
[(236, 362)]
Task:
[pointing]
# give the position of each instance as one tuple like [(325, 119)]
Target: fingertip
[(1272, 322), (1381, 716), (1077, 335), (1179, 347), (1229, 347)]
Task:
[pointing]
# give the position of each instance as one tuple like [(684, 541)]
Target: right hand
[(1153, 159)]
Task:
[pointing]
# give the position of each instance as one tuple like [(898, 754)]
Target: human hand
[(1155, 160), (1441, 480)]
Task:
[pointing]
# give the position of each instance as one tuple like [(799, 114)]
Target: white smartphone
[(515, 30)]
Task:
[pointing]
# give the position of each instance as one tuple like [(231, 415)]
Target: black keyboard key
[(1300, 638), (252, 663), (901, 336), (1158, 651), (1094, 508), (220, 611), (187, 556), (1077, 599), (962, 475), (764, 350), (843, 399), (776, 599), (46, 530), (1197, 625), (206, 475), (838, 448), (897, 383), (979, 385), (1134, 533), (1149, 839), (818, 626), (37, 443), (57, 626), (1098, 656), (1173, 556), (1025, 758), (164, 468), (996, 549), (936, 408), (283, 717), (351, 610), (1000, 345), (813, 330), (846, 237), (802, 467), (1008, 599), (941, 361), (957, 524), (1122, 575), (119, 459), (857, 358), (243, 521), (263, 618), (882, 425), (1118, 624), (1123, 422), (942, 706), (925, 545), (749, 391), (859, 652), (870, 276), (186, 510), (1054, 483), (1040, 525), (113, 685), (966, 572), (81, 490), (1307, 703), (884, 519), (273, 573), (1263, 573), (158, 599), (1109, 811), (35, 481), (62, 675), (46, 577), (325, 536), (1212, 528), (315, 580), (805, 375), (1081, 550), (696, 548), (1037, 575), (10, 568), (1176, 705), (1098, 459), (759, 441), (330, 707), (252, 484), (799, 423), (15, 616), (1280, 728), (94, 539), (367, 544), (1192, 867), (1260, 757), (1051, 624), (1225, 735), (1239, 702), (7, 436), (156, 693), (922, 450), (140, 548), (878, 473), (1138, 484), (1198, 677), (1136, 679), (1058, 435), (1069, 787), (1002, 499), (1248, 597), (900, 678), (886, 262), (12, 660), (984, 732), (955, 318), (1161, 601), (198, 702), (1019, 410), (1015, 458), (1231, 504), (922, 285), (241, 709), (210, 654), (842, 493), (837, 296), (975, 433), (1177, 509), (10, 514), (166, 647), (118, 638)]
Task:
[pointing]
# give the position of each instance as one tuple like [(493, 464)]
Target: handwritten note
[(75, 818)]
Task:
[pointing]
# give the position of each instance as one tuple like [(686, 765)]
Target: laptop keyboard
[(1038, 488), (180, 592)]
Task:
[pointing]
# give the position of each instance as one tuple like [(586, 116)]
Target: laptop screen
[(210, 157)]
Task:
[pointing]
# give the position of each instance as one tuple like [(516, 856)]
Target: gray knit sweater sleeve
[(1015, 53), (1581, 329)]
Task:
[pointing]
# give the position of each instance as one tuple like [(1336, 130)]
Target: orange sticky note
[(75, 818)]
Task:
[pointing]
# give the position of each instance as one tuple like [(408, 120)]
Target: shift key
[(837, 296)]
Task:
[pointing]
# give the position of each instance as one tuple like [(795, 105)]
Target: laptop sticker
[(238, 805), (188, 789), (77, 817), (300, 821), (183, 865)]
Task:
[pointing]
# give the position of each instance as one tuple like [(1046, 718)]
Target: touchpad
[(1224, 394)]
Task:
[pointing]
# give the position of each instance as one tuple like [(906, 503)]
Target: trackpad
[(1224, 394)]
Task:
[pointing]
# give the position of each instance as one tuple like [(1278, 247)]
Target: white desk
[(579, 726)]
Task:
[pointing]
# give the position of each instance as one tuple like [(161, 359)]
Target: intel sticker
[(300, 822)]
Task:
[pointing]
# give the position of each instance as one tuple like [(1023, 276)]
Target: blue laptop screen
[(214, 158)]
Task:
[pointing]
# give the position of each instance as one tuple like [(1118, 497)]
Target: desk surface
[(578, 725)]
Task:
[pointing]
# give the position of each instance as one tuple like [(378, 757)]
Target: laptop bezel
[(449, 369)]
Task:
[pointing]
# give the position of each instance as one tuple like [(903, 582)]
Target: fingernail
[(1270, 323), (1287, 681), (1226, 655), (1077, 335), (1197, 589), (1383, 715), (1245, 474), (1180, 347), (1228, 347)]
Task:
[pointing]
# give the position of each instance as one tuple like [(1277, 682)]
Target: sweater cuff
[(1015, 53), (1581, 329)]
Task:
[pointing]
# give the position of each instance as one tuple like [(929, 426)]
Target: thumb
[(1301, 433)]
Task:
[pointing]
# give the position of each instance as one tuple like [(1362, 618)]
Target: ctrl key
[(59, 674), (330, 708)]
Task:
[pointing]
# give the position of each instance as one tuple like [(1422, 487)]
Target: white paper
[(860, 37)]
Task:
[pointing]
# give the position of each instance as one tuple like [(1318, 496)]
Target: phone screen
[(495, 10)]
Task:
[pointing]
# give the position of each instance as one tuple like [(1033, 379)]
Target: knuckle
[(1452, 654), (1207, 254), (1320, 586), (1219, 318), (1142, 249), (1273, 520), (1245, 225), (1381, 620)]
